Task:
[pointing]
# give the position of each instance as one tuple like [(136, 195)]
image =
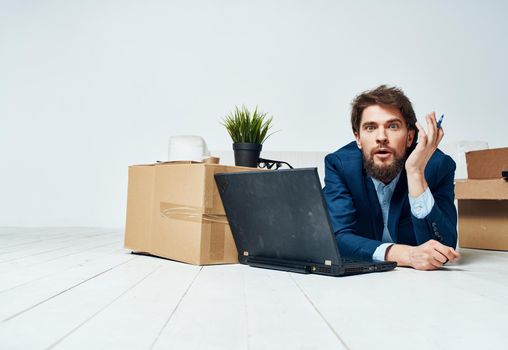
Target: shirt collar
[(391, 186)]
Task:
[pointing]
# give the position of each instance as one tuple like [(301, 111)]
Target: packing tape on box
[(216, 223), (187, 213)]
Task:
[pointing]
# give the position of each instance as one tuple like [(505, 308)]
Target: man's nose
[(381, 136)]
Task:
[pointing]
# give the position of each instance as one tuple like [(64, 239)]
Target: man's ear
[(410, 137), (357, 137)]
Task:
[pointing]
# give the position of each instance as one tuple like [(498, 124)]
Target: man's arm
[(343, 213), (440, 224), (435, 233)]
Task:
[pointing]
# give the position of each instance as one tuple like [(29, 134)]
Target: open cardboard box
[(483, 201), (174, 211)]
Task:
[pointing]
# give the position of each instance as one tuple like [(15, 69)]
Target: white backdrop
[(89, 87)]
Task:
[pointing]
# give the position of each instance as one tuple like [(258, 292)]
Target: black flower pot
[(247, 154)]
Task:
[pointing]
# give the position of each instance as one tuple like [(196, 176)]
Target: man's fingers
[(431, 128), (440, 133), (432, 255), (422, 135), (456, 254), (433, 120), (446, 252), (436, 263), (443, 259)]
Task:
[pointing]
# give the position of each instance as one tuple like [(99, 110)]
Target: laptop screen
[(278, 214)]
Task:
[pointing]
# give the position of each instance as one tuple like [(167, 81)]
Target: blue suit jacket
[(356, 216)]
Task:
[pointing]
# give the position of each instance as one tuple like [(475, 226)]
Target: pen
[(440, 121)]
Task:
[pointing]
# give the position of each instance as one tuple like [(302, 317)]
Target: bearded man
[(390, 198)]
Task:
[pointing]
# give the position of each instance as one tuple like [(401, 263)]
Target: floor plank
[(53, 320), (49, 247), (238, 307), (14, 275), (15, 237), (51, 254), (28, 295), (139, 315), (428, 309)]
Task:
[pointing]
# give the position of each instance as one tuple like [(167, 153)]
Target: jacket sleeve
[(342, 213), (441, 223)]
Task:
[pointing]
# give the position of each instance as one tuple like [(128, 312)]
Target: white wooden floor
[(77, 288)]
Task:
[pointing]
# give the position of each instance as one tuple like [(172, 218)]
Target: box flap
[(487, 164), (481, 189), (210, 160), (165, 163)]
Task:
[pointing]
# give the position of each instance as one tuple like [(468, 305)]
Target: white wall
[(89, 87)]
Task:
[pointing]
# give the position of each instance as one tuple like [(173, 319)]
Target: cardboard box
[(487, 164), (483, 201), (174, 211)]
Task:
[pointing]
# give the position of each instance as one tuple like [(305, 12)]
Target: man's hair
[(384, 96)]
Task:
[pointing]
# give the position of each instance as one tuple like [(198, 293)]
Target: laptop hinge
[(279, 265)]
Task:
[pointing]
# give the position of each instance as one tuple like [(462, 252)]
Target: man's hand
[(430, 255), (417, 161)]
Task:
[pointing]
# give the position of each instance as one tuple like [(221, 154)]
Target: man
[(390, 198)]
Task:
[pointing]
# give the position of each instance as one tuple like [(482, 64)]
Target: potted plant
[(248, 132)]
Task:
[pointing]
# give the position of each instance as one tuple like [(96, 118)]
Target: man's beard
[(385, 173)]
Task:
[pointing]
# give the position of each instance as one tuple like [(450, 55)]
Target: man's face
[(383, 138)]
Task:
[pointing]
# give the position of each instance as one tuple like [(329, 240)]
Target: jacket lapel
[(397, 202), (376, 214)]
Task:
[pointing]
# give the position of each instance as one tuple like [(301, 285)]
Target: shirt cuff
[(380, 252), (422, 205)]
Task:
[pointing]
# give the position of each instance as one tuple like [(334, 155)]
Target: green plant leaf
[(243, 126)]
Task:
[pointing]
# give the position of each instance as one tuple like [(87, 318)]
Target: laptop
[(279, 220)]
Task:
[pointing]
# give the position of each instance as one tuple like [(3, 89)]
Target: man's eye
[(394, 126), (369, 128)]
